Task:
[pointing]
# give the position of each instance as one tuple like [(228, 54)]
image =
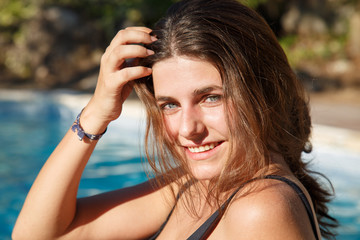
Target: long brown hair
[(268, 110)]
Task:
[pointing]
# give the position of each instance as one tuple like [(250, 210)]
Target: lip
[(204, 154)]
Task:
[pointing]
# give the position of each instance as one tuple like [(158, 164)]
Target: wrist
[(93, 130)]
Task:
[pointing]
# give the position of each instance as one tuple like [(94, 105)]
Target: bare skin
[(273, 211), (195, 117), (51, 210)]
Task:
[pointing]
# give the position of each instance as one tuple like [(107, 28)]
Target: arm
[(51, 209)]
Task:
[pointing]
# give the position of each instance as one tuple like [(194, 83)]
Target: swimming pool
[(32, 123)]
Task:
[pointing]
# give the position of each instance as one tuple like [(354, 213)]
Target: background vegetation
[(58, 43)]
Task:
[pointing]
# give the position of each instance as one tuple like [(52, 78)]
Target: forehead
[(180, 74)]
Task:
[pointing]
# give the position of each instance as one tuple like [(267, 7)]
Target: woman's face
[(190, 95)]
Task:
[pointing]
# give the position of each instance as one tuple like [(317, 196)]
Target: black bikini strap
[(303, 198), (180, 193), (209, 225)]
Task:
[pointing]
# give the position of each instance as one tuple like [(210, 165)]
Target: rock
[(291, 20), (310, 24), (307, 17), (339, 67)]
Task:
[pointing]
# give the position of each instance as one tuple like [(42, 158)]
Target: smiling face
[(189, 93)]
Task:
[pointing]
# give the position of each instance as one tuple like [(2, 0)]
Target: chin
[(204, 173)]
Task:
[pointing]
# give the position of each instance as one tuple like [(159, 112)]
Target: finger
[(117, 57), (144, 29), (128, 36), (132, 73)]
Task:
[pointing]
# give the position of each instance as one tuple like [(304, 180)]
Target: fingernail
[(153, 38), (150, 52)]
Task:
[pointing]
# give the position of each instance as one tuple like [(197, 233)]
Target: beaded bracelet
[(81, 133)]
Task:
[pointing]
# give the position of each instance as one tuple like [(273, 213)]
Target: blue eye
[(168, 106), (212, 98)]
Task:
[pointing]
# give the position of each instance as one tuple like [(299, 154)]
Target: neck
[(278, 165)]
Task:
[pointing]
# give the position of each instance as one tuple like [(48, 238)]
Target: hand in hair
[(115, 77)]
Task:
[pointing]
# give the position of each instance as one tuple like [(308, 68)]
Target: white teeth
[(201, 148)]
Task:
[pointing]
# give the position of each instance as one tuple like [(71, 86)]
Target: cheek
[(170, 126), (217, 120)]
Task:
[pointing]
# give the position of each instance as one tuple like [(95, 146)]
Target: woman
[(227, 123)]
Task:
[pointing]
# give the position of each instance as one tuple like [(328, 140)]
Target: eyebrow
[(196, 92), (206, 90), (164, 99)]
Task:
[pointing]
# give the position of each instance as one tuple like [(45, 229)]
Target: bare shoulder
[(267, 209)]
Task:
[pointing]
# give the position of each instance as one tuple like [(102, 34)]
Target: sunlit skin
[(189, 92)]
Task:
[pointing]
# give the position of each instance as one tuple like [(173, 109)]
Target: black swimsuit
[(209, 225)]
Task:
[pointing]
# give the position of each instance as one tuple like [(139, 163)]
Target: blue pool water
[(31, 125)]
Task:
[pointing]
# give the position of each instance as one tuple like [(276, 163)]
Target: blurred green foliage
[(253, 3), (110, 15), (13, 12), (106, 17), (300, 50)]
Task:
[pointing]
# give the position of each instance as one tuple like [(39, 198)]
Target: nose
[(192, 126)]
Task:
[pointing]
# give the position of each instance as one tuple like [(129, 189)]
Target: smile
[(203, 148)]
